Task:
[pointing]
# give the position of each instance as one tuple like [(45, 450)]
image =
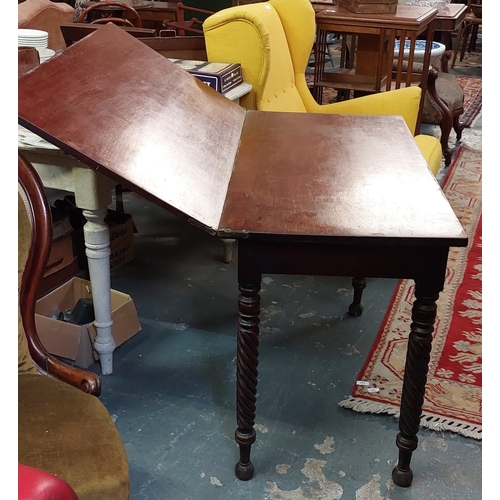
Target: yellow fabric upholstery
[(273, 41)]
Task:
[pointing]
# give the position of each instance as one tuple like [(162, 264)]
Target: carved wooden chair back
[(110, 13), (193, 25), (72, 32)]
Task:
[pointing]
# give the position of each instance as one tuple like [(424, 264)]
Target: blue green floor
[(172, 393)]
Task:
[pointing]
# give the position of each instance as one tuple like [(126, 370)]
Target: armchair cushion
[(70, 434), (46, 16)]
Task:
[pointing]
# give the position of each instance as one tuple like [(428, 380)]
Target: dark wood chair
[(470, 26), (193, 25), (179, 47), (110, 12), (444, 104), (72, 32), (56, 399)]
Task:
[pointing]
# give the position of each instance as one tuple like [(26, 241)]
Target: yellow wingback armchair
[(273, 41)]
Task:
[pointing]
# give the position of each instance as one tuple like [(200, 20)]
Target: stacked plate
[(32, 38), (45, 54)]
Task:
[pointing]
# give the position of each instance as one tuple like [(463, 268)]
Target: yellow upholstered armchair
[(273, 41), (63, 428)]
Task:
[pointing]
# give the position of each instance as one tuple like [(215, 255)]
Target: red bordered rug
[(473, 99), (454, 384)]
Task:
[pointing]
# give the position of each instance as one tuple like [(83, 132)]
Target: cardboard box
[(61, 254), (75, 342), (370, 6), (121, 236)]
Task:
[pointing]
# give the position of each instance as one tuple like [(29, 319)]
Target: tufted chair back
[(254, 36)]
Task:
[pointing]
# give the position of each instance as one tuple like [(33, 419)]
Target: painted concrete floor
[(172, 393)]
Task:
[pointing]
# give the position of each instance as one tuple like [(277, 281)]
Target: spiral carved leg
[(415, 377), (356, 308), (246, 375)]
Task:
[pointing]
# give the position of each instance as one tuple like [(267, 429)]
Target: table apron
[(370, 261)]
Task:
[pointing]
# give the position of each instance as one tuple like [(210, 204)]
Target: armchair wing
[(273, 41)]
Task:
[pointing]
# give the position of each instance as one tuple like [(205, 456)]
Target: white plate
[(31, 44), (44, 53), (27, 33)]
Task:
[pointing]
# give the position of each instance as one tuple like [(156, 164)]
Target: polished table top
[(406, 17), (447, 18), (191, 150), (306, 193)]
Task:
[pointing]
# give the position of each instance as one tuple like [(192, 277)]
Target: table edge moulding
[(303, 193)]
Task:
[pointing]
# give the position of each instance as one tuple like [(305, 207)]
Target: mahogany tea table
[(303, 193)]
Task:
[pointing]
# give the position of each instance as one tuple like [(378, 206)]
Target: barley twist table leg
[(246, 375), (415, 377)]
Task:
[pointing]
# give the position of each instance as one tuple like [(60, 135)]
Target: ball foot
[(244, 472), (355, 310), (402, 477)]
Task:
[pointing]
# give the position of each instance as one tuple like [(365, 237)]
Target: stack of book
[(222, 77)]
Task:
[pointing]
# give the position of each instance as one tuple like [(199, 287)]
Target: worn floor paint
[(172, 393)]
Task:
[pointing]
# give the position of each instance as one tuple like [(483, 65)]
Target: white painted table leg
[(93, 195), (96, 235)]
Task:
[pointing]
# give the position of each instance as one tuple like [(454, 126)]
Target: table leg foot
[(401, 477), (96, 234), (402, 474), (246, 375), (228, 245), (356, 308), (244, 468)]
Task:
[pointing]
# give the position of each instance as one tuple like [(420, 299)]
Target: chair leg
[(465, 39), (460, 35), (356, 308), (228, 244), (458, 126)]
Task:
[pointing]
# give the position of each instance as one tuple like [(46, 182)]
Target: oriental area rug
[(473, 102), (453, 399)]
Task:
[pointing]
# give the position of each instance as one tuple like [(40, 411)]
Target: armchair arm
[(404, 102)]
